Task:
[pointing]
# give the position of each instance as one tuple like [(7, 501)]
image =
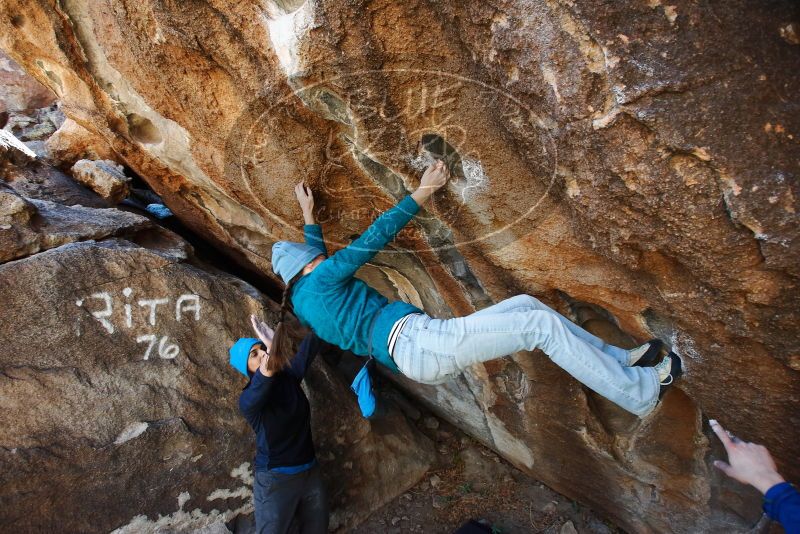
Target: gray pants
[(290, 501)]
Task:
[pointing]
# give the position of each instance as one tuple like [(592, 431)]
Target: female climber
[(343, 310), (287, 488)]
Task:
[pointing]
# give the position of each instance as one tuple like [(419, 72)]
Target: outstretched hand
[(305, 197), (263, 332), (749, 463)]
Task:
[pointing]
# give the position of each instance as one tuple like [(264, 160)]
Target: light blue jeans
[(431, 350)]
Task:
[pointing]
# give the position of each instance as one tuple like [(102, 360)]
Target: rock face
[(38, 180), (638, 157), (104, 177), (118, 395), (365, 463), (13, 151), (35, 125), (18, 90), (72, 142), (28, 226), (115, 396)]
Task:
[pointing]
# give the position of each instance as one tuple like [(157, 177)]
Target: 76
[(167, 351)]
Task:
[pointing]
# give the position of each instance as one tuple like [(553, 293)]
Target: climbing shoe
[(669, 370), (646, 355)]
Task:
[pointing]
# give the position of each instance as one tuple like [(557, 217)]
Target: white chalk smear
[(243, 473), (421, 161), (477, 180), (131, 431)]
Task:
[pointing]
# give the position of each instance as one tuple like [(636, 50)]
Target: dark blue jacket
[(277, 409), (782, 503)]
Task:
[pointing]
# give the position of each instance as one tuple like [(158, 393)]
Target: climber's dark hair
[(282, 349)]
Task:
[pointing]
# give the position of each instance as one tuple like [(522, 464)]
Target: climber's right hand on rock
[(749, 463), (305, 197), (433, 179)]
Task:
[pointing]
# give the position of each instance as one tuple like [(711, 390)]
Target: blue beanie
[(289, 258), (240, 352)]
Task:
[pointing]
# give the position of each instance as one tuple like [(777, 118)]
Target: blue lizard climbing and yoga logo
[(391, 140)]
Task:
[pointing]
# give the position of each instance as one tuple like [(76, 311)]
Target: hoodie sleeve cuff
[(775, 496), (259, 379), (409, 205)]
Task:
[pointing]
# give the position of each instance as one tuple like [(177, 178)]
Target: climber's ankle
[(669, 370), (645, 355)]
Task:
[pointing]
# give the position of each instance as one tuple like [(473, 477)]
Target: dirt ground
[(470, 481)]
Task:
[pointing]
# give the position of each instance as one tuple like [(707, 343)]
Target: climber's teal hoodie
[(340, 308)]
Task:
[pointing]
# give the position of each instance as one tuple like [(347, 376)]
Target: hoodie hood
[(289, 258)]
